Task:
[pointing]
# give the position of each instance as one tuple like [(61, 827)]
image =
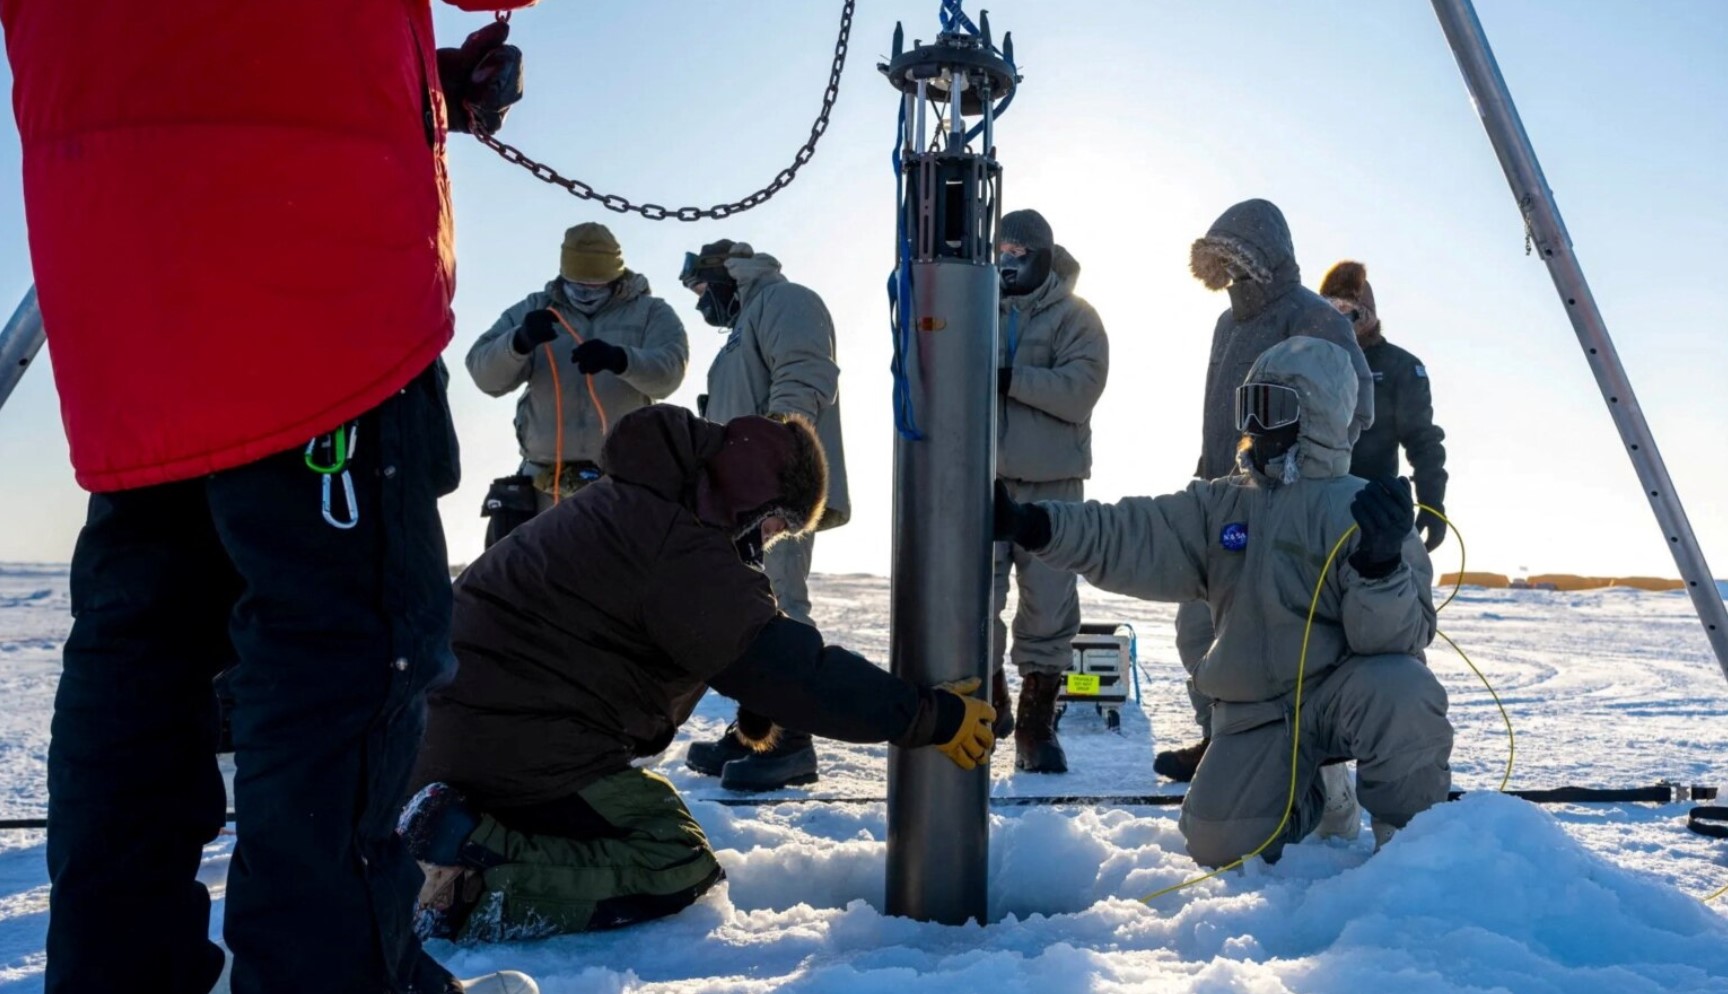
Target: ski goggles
[(1261, 407), (702, 269)]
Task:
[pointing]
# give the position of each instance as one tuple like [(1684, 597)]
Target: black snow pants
[(335, 635)]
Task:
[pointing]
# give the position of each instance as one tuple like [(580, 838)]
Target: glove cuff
[(1032, 528), (938, 719), (1370, 570)]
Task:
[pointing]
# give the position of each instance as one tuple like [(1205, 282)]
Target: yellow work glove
[(971, 745)]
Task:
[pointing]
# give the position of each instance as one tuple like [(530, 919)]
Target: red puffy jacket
[(239, 219)]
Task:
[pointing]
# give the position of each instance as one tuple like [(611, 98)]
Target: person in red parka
[(239, 221)]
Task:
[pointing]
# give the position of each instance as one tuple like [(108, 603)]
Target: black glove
[(1432, 527), (1004, 379), (1385, 513), (599, 356), (1026, 525), (538, 328), (481, 79)]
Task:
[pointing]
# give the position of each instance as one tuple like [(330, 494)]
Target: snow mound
[(1486, 894)]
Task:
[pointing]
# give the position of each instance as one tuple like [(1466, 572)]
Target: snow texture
[(1489, 894)]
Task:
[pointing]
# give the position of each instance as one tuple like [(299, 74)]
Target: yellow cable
[(1296, 708), (1463, 557), (1511, 741), (1457, 585)]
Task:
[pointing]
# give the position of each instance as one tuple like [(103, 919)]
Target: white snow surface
[(1488, 894)]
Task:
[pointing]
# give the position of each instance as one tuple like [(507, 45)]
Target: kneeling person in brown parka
[(587, 637), (1252, 547)]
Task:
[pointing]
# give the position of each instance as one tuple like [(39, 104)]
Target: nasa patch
[(1234, 537), (1422, 371)]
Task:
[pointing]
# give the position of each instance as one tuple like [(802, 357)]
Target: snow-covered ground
[(1605, 688)]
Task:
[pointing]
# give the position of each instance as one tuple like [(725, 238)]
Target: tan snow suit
[(1252, 548)]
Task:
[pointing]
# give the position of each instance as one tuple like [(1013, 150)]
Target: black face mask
[(1022, 274), (1269, 445), (719, 304)]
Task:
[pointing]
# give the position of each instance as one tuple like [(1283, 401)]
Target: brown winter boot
[(1003, 704), (1036, 749), (1179, 764)]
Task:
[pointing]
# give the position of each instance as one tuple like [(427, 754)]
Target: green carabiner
[(339, 448)]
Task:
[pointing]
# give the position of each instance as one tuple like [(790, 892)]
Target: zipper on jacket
[(428, 112)]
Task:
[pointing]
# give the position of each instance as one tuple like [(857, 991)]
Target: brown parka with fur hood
[(588, 635)]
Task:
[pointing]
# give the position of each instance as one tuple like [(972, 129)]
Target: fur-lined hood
[(1057, 287), (731, 475), (1255, 236), (767, 466), (1325, 382)]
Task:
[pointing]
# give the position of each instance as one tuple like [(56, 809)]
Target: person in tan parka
[(1252, 546), (591, 347), (778, 361), (1053, 361)]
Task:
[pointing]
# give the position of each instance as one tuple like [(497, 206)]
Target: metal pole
[(1548, 232), (19, 343), (939, 624), (938, 815)]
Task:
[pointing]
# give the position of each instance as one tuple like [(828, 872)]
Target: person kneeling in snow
[(1252, 545), (586, 639)]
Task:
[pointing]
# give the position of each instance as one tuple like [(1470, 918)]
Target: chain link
[(655, 212)]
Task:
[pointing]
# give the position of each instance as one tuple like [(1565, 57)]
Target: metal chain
[(655, 212)]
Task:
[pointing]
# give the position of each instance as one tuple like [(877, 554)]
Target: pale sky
[(1136, 125)]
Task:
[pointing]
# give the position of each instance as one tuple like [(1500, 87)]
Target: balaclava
[(1023, 274), (719, 302)]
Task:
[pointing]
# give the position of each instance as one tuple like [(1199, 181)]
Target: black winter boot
[(1004, 706), (1179, 764), (791, 763), (710, 758), (1036, 749)]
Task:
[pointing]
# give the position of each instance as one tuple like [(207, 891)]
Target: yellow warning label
[(1082, 683)]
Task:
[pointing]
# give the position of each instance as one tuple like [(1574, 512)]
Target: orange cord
[(558, 408)]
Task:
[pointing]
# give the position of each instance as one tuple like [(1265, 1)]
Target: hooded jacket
[(1056, 344), (1264, 310), (261, 188), (644, 326), (1253, 548), (779, 359), (588, 635)]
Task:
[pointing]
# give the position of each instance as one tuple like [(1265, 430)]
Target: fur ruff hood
[(1255, 237)]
